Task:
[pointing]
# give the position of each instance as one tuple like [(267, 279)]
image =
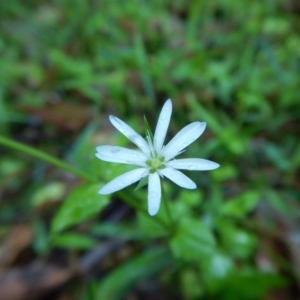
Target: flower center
[(155, 164)]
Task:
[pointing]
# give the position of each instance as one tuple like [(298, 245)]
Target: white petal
[(178, 178), (154, 194), (193, 164), (183, 138), (162, 125), (130, 133), (121, 155), (123, 180)]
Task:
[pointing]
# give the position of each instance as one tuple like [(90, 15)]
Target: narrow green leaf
[(73, 241), (193, 240), (237, 285), (237, 242), (216, 268), (122, 278), (241, 205), (150, 227), (142, 183), (83, 203), (117, 230), (148, 129), (48, 193), (45, 157)]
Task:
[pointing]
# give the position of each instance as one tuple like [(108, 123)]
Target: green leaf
[(83, 203), (241, 205), (41, 237), (227, 172), (237, 242), (142, 183), (193, 240), (148, 129), (240, 285), (81, 155), (191, 199), (48, 193), (277, 200), (191, 284), (215, 269), (276, 155), (119, 230), (150, 227), (142, 266), (73, 241)]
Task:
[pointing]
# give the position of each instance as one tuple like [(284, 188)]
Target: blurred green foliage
[(65, 65)]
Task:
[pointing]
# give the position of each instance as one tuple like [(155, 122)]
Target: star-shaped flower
[(154, 159)]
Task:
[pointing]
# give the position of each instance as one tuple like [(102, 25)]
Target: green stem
[(45, 157), (64, 166), (172, 223), (134, 203)]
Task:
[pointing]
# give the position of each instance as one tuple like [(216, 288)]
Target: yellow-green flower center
[(155, 164)]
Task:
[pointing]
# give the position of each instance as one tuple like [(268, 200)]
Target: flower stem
[(172, 223), (64, 166), (134, 203), (45, 157)]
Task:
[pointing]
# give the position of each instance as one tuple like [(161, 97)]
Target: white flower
[(154, 159)]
